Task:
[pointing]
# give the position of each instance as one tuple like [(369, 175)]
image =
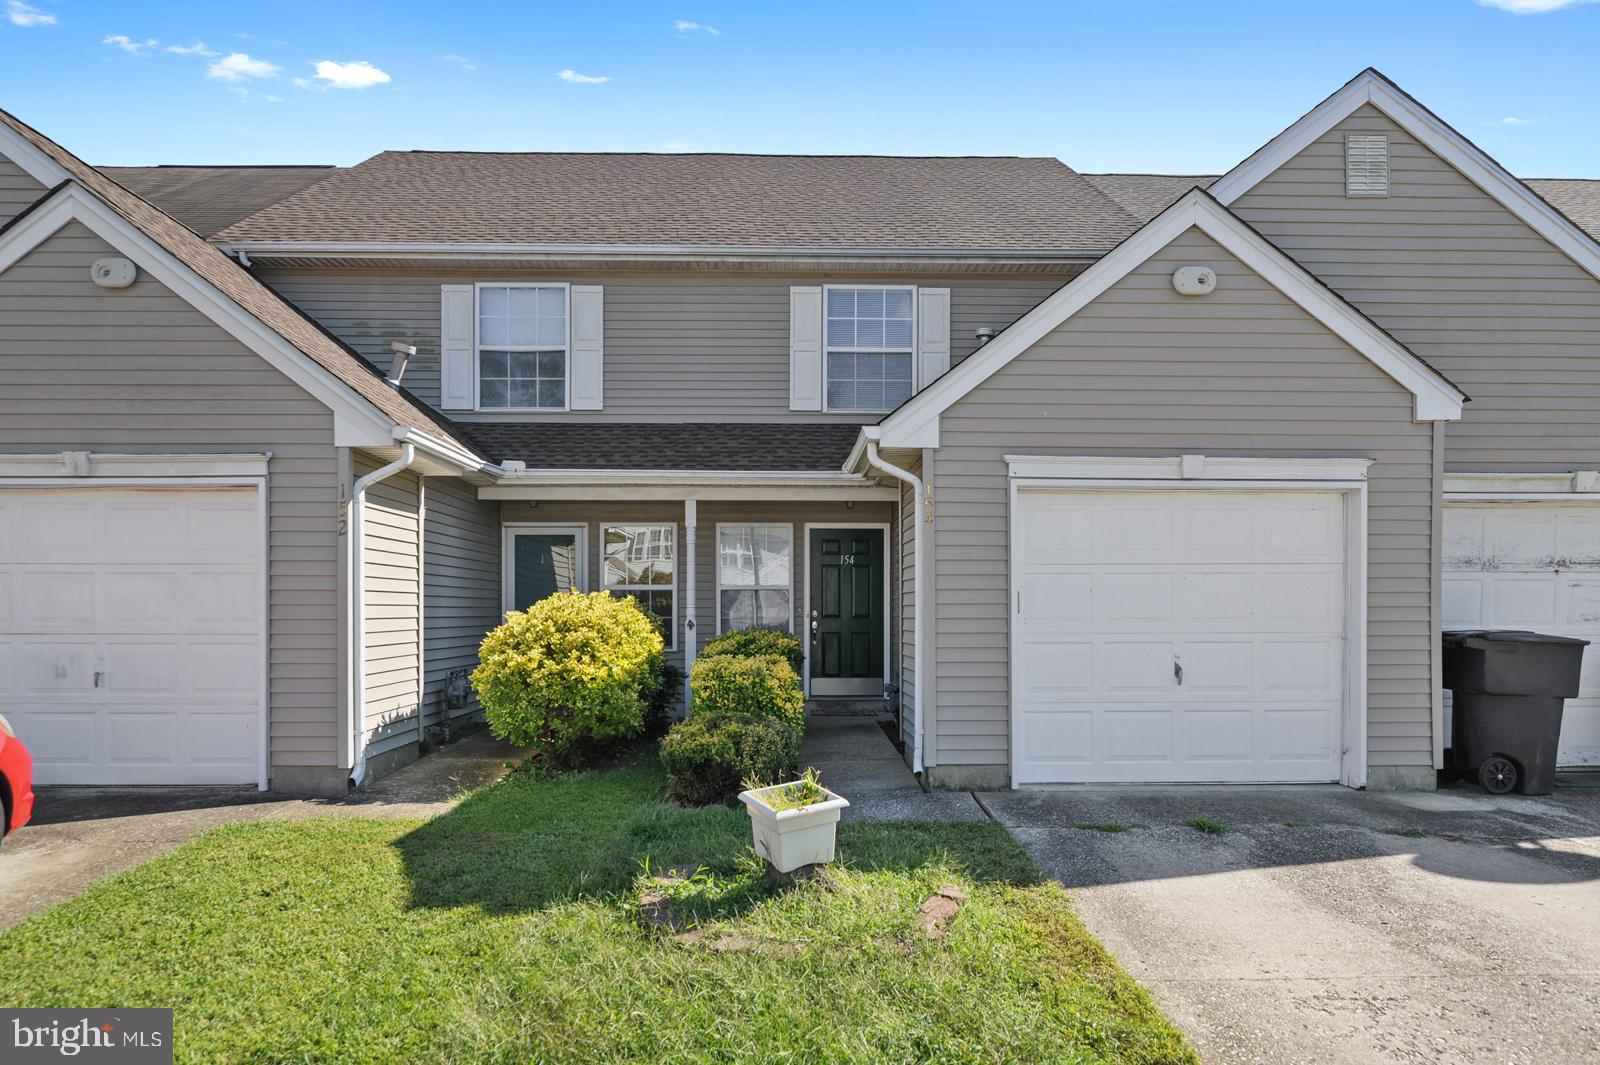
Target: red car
[(16, 780)]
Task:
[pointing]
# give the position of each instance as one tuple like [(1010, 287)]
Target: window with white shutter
[(1366, 164)]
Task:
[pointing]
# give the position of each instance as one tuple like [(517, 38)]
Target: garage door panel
[(1531, 565), (130, 633), (1244, 591)]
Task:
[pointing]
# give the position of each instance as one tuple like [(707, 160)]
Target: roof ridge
[(720, 155)]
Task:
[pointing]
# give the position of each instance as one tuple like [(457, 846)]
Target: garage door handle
[(1177, 671)]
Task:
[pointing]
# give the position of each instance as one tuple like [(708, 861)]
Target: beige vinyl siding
[(392, 620), (461, 578), (906, 603), (1462, 281), (677, 347), (18, 190), (139, 370), (1144, 371), (594, 515)]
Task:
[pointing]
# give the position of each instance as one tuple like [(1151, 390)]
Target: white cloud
[(197, 48), (357, 75), (236, 66), (128, 44), (460, 60), (22, 14), (1513, 120), (1532, 7), (685, 26), (581, 79)]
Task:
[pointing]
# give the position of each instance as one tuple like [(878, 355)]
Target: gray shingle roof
[(789, 201), (1577, 198), (666, 446), (207, 198), (243, 288), (1146, 195)]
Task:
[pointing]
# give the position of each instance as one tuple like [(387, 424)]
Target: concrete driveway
[(80, 836), (1311, 932)]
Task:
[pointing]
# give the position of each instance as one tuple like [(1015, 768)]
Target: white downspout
[(357, 610), (924, 594), (691, 521)]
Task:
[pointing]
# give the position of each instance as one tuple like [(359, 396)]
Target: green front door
[(846, 611)]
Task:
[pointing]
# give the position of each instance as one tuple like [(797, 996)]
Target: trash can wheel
[(1498, 775)]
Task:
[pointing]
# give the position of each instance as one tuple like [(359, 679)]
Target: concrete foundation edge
[(968, 777), (1402, 778), (310, 781)]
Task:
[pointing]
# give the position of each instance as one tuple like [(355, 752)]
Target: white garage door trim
[(94, 470), (1199, 473)]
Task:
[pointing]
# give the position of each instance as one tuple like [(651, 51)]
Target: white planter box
[(789, 839)]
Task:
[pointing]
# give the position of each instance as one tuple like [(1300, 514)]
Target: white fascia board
[(1187, 468), (35, 163), (96, 464), (1578, 484), (447, 250), (356, 422), (685, 477), (916, 424), (1431, 131), (444, 451)]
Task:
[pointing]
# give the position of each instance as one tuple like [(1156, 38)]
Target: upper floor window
[(522, 347), (869, 346)]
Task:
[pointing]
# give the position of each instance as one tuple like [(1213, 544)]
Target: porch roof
[(699, 446)]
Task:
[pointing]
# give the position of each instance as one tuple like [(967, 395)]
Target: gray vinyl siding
[(17, 190), (1144, 371), (594, 515), (712, 348), (392, 620), (1462, 281), (461, 578), (140, 370)]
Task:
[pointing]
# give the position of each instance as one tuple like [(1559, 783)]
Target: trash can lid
[(1512, 636)]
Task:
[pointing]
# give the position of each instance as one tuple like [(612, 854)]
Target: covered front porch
[(814, 554)]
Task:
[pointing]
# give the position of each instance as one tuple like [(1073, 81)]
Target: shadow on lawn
[(531, 842)]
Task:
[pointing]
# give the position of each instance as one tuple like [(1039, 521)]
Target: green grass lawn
[(508, 930)]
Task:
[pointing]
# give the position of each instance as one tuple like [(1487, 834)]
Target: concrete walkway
[(855, 758), (1332, 926), (80, 836)]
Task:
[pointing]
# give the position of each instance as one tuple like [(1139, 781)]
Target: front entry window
[(753, 576), (642, 561), (542, 560)]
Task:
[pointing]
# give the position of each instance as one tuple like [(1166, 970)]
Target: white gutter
[(356, 611), (924, 593), (513, 249), (821, 478)]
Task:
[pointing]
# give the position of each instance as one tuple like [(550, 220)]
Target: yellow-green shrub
[(763, 686), (569, 670), (749, 643)]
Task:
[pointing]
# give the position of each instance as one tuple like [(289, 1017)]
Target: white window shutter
[(587, 360), (805, 347), (457, 348), (933, 334)]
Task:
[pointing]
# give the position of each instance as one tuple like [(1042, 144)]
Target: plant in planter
[(794, 824)]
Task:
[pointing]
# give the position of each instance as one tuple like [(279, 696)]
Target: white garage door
[(130, 639), (1531, 566), (1183, 636)]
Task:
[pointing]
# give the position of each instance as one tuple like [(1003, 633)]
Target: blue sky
[(1182, 86)]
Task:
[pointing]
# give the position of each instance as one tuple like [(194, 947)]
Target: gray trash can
[(1510, 688)]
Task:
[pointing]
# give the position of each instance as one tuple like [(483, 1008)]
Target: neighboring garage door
[(1179, 636), (1531, 565), (130, 633)]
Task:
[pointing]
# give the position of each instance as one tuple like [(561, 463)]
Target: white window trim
[(717, 559), (827, 348), (477, 347), (1298, 475), (607, 586), (889, 562), (508, 534)]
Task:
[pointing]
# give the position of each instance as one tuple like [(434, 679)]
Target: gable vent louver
[(1366, 164)]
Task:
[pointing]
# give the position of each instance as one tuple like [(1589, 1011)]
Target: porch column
[(691, 519)]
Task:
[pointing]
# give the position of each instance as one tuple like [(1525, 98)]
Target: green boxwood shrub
[(748, 643), (570, 670), (709, 757), (764, 686)]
